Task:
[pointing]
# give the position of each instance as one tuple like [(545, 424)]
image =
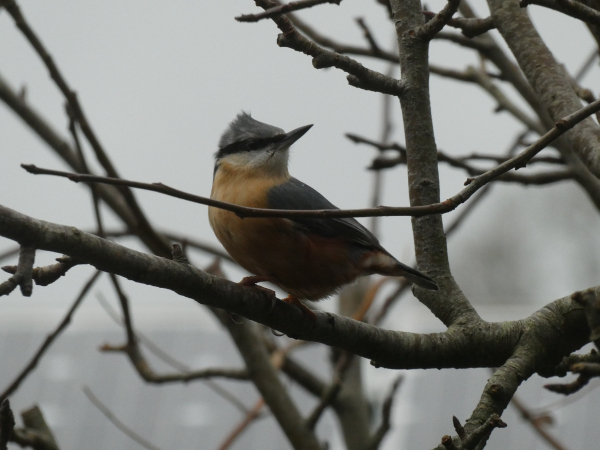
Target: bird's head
[(253, 145)]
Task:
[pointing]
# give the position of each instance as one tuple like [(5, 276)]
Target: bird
[(309, 258)]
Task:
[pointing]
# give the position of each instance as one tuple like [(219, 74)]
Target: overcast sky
[(159, 83)]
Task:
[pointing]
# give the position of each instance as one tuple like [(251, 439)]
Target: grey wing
[(294, 194)]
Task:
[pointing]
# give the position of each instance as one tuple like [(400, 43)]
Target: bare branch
[(474, 184), (591, 306), (476, 44), (116, 421), (538, 423), (43, 276), (250, 417), (587, 65), (7, 424), (369, 37), (386, 348), (36, 432), (437, 22), (336, 47), (109, 194), (554, 92), (276, 11), (14, 385), (359, 76), (470, 27), (168, 359), (386, 417), (569, 7), (542, 178), (132, 350), (23, 273), (77, 111), (330, 393)]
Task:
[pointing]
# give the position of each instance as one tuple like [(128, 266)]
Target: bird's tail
[(385, 264)]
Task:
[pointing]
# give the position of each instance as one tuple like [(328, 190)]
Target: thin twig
[(538, 423), (386, 416), (250, 417), (14, 385), (283, 9), (77, 111), (143, 368), (380, 163), (569, 7), (386, 130), (168, 359), (587, 65), (473, 184), (10, 253), (331, 392), (116, 421), (93, 188), (359, 76), (375, 48)]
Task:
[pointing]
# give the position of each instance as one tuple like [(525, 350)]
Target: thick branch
[(489, 346), (546, 77)]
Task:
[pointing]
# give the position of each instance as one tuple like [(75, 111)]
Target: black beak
[(292, 137)]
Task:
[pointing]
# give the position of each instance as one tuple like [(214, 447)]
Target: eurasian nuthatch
[(308, 258)]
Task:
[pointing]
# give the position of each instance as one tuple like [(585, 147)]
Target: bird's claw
[(251, 282), (305, 309)]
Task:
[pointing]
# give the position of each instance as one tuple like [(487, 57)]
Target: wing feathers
[(294, 194)]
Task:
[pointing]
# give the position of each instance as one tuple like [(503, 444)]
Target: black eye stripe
[(248, 145)]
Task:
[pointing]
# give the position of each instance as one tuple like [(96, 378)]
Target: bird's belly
[(305, 266)]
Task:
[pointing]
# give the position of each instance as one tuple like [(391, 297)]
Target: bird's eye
[(253, 144)]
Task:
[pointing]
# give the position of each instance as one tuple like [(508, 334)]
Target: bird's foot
[(252, 280), (305, 309)]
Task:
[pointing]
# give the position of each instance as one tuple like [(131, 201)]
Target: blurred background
[(159, 84)]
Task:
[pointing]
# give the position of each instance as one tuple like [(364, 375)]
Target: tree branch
[(77, 111), (569, 7), (276, 11), (359, 76), (116, 421), (14, 385), (386, 348), (23, 273), (476, 183), (109, 194), (546, 77), (438, 21), (470, 27)]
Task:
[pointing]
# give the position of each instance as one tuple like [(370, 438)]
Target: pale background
[(159, 82)]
